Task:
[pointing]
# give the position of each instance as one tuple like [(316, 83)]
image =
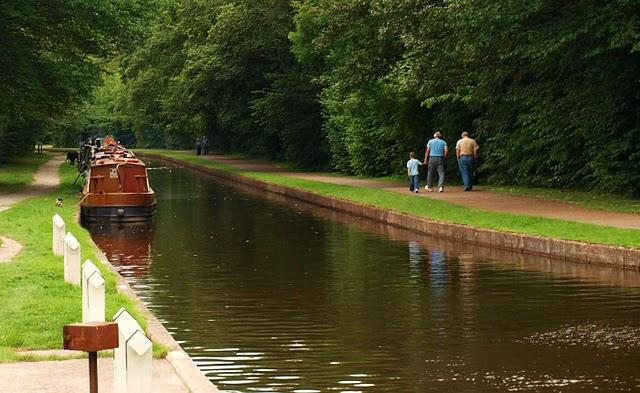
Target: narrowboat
[(116, 186)]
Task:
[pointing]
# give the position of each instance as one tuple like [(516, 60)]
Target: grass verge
[(18, 172), (438, 210), (36, 301)]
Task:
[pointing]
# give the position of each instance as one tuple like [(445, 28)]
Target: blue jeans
[(465, 163), (413, 183)]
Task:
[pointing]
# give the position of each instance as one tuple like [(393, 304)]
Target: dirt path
[(46, 180), (8, 249), (483, 200)]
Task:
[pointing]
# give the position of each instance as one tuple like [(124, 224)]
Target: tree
[(49, 61)]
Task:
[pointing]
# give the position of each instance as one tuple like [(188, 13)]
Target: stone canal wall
[(554, 249)]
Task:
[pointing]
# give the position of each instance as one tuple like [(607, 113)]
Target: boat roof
[(115, 159)]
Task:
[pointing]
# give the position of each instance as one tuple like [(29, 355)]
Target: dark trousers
[(435, 164)]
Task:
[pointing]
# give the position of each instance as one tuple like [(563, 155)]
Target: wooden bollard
[(91, 337)]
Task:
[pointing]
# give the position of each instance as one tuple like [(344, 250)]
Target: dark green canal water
[(270, 296)]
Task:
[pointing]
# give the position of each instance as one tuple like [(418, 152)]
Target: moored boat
[(116, 186)]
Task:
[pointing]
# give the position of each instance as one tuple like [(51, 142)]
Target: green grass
[(439, 210), (18, 172), (36, 301), (591, 200)]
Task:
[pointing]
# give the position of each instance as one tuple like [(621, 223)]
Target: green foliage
[(49, 61), (224, 69), (554, 85), (549, 89)]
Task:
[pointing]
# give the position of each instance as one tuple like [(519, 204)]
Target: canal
[(274, 296)]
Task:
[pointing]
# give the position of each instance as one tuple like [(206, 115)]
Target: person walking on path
[(205, 145), (434, 158), (413, 171), (466, 153), (198, 146)]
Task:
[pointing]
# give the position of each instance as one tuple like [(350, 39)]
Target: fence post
[(58, 235), (139, 363), (93, 298), (71, 259), (132, 366)]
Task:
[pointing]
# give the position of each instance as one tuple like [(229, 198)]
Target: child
[(412, 171)]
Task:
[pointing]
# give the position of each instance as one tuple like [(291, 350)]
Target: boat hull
[(118, 213), (118, 207)]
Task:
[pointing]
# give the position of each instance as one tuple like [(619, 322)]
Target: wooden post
[(91, 337), (93, 372)]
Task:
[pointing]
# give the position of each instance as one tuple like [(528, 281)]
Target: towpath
[(483, 200), (45, 181)]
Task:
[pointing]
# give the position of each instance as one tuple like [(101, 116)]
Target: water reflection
[(415, 259), (126, 245), (272, 297)]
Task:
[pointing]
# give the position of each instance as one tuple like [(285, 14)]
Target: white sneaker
[(441, 189), (428, 189)]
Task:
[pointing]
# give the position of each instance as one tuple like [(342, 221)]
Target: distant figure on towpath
[(434, 158), (205, 145), (466, 153), (198, 146)]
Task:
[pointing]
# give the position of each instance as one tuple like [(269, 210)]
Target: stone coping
[(555, 249)]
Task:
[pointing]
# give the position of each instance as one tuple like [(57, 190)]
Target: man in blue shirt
[(434, 158)]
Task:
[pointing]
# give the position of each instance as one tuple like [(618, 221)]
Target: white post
[(58, 235), (139, 363), (93, 299), (132, 360), (71, 259)]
